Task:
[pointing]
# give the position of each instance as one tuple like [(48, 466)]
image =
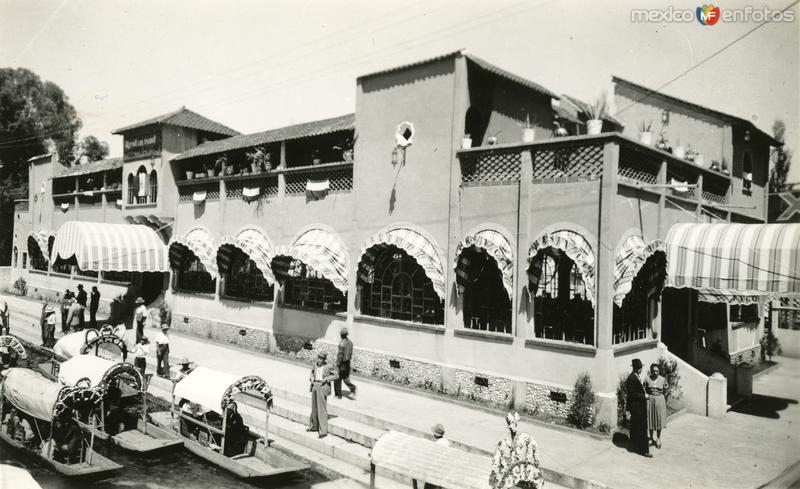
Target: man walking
[(50, 331), (320, 378), (343, 358), (636, 405), (4, 320), (74, 314), (139, 316), (94, 304), (162, 353), (43, 323)]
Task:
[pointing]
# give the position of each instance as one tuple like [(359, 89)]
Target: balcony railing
[(493, 167), (573, 161)]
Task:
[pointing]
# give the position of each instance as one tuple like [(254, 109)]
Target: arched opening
[(243, 279), (747, 174), (153, 187), (37, 257), (304, 287), (634, 319), (58, 266), (192, 276), (487, 305), (131, 189), (475, 124), (562, 307), (398, 288), (141, 185)]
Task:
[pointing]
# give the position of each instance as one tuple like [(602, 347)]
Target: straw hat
[(139, 300), (49, 310), (184, 361)]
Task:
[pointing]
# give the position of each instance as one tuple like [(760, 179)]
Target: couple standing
[(647, 407), (321, 377)]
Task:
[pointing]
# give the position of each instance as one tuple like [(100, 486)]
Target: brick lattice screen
[(269, 187), (22, 206), (186, 192), (493, 167), (567, 163), (636, 168)]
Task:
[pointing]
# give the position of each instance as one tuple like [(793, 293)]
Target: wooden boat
[(212, 391), (139, 435), (44, 400)]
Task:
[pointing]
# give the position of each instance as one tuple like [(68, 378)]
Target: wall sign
[(142, 145)]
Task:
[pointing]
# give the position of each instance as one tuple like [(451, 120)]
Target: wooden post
[(144, 408), (224, 424), (266, 425), (91, 443)]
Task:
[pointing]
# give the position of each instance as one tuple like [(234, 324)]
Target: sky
[(258, 64)]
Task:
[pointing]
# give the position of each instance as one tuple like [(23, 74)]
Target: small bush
[(603, 427), (581, 411), (21, 286), (769, 345), (669, 370), (622, 397)]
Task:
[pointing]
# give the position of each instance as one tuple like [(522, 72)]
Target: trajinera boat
[(120, 418), (207, 419), (38, 416), (108, 343)]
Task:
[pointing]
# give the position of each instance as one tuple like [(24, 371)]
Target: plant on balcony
[(646, 133), (347, 149), (679, 151), (528, 130), (260, 160), (690, 153), (594, 114), (315, 158), (663, 143)]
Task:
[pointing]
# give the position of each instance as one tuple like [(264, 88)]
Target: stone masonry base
[(537, 399)]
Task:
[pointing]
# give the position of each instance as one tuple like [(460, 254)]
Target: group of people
[(142, 348), (320, 379), (647, 407)]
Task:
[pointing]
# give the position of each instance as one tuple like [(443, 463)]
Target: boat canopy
[(212, 389), (41, 398), (98, 372), (75, 344)]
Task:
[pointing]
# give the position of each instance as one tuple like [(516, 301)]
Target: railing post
[(281, 175), (699, 196)]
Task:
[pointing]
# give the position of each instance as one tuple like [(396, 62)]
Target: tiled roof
[(93, 167), (307, 129), (183, 117), (699, 108), (483, 64)]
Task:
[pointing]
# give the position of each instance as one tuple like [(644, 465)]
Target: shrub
[(669, 370), (622, 396), (21, 286), (769, 345), (581, 411)]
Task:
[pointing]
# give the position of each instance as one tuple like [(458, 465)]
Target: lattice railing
[(186, 193), (714, 198), (21, 206), (490, 167), (567, 163), (296, 183), (235, 190), (636, 168), (677, 180), (339, 179)]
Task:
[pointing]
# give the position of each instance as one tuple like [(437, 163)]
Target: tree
[(781, 159), (92, 148), (33, 113)]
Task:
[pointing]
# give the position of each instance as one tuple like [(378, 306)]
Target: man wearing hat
[(139, 316), (50, 326), (636, 405), (162, 353), (186, 368), (140, 352), (343, 357), (320, 378), (438, 435)]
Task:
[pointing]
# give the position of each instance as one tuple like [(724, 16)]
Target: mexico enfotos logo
[(709, 14)]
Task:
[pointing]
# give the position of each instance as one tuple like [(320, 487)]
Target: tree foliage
[(781, 159), (36, 117), (581, 411), (92, 148)]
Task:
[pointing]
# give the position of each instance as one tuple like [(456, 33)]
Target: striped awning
[(736, 261), (254, 244), (413, 243), (197, 242), (497, 246), (631, 257), (321, 251), (40, 239), (576, 247), (100, 246)]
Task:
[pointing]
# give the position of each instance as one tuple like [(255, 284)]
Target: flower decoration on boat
[(515, 460), (250, 383)]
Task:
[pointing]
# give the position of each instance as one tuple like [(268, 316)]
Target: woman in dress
[(655, 384)]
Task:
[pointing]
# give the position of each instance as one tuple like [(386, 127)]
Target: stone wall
[(547, 401)]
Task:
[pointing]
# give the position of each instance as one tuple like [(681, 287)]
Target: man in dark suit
[(636, 405), (343, 358), (320, 378), (94, 304), (81, 298)]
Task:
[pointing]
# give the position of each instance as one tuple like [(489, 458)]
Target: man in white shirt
[(140, 352), (438, 436), (139, 316), (50, 326), (162, 353)]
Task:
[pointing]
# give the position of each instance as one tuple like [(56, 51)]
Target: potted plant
[(219, 165), (663, 143), (315, 158), (645, 133), (528, 131), (189, 174), (466, 141), (690, 153), (699, 160), (594, 114), (346, 149), (492, 140)]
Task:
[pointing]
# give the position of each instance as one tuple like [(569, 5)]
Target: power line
[(707, 59)]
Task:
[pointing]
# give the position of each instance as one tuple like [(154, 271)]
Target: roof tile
[(183, 117)]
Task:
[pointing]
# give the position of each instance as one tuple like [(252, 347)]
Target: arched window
[(747, 174), (153, 187), (245, 280), (303, 287), (487, 305), (562, 308), (399, 289), (16, 257), (634, 320), (36, 254), (131, 189), (192, 275), (141, 185)]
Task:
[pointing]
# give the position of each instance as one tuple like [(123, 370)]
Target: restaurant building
[(461, 223)]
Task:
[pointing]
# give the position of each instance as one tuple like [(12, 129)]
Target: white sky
[(258, 64)]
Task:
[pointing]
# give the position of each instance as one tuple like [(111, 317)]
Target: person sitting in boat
[(68, 440), (114, 414), (192, 410), (235, 431), (23, 432), (9, 420), (8, 357)]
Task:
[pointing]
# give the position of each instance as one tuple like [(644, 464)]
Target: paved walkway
[(744, 450)]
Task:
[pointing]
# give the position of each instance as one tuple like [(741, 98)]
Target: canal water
[(179, 469)]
